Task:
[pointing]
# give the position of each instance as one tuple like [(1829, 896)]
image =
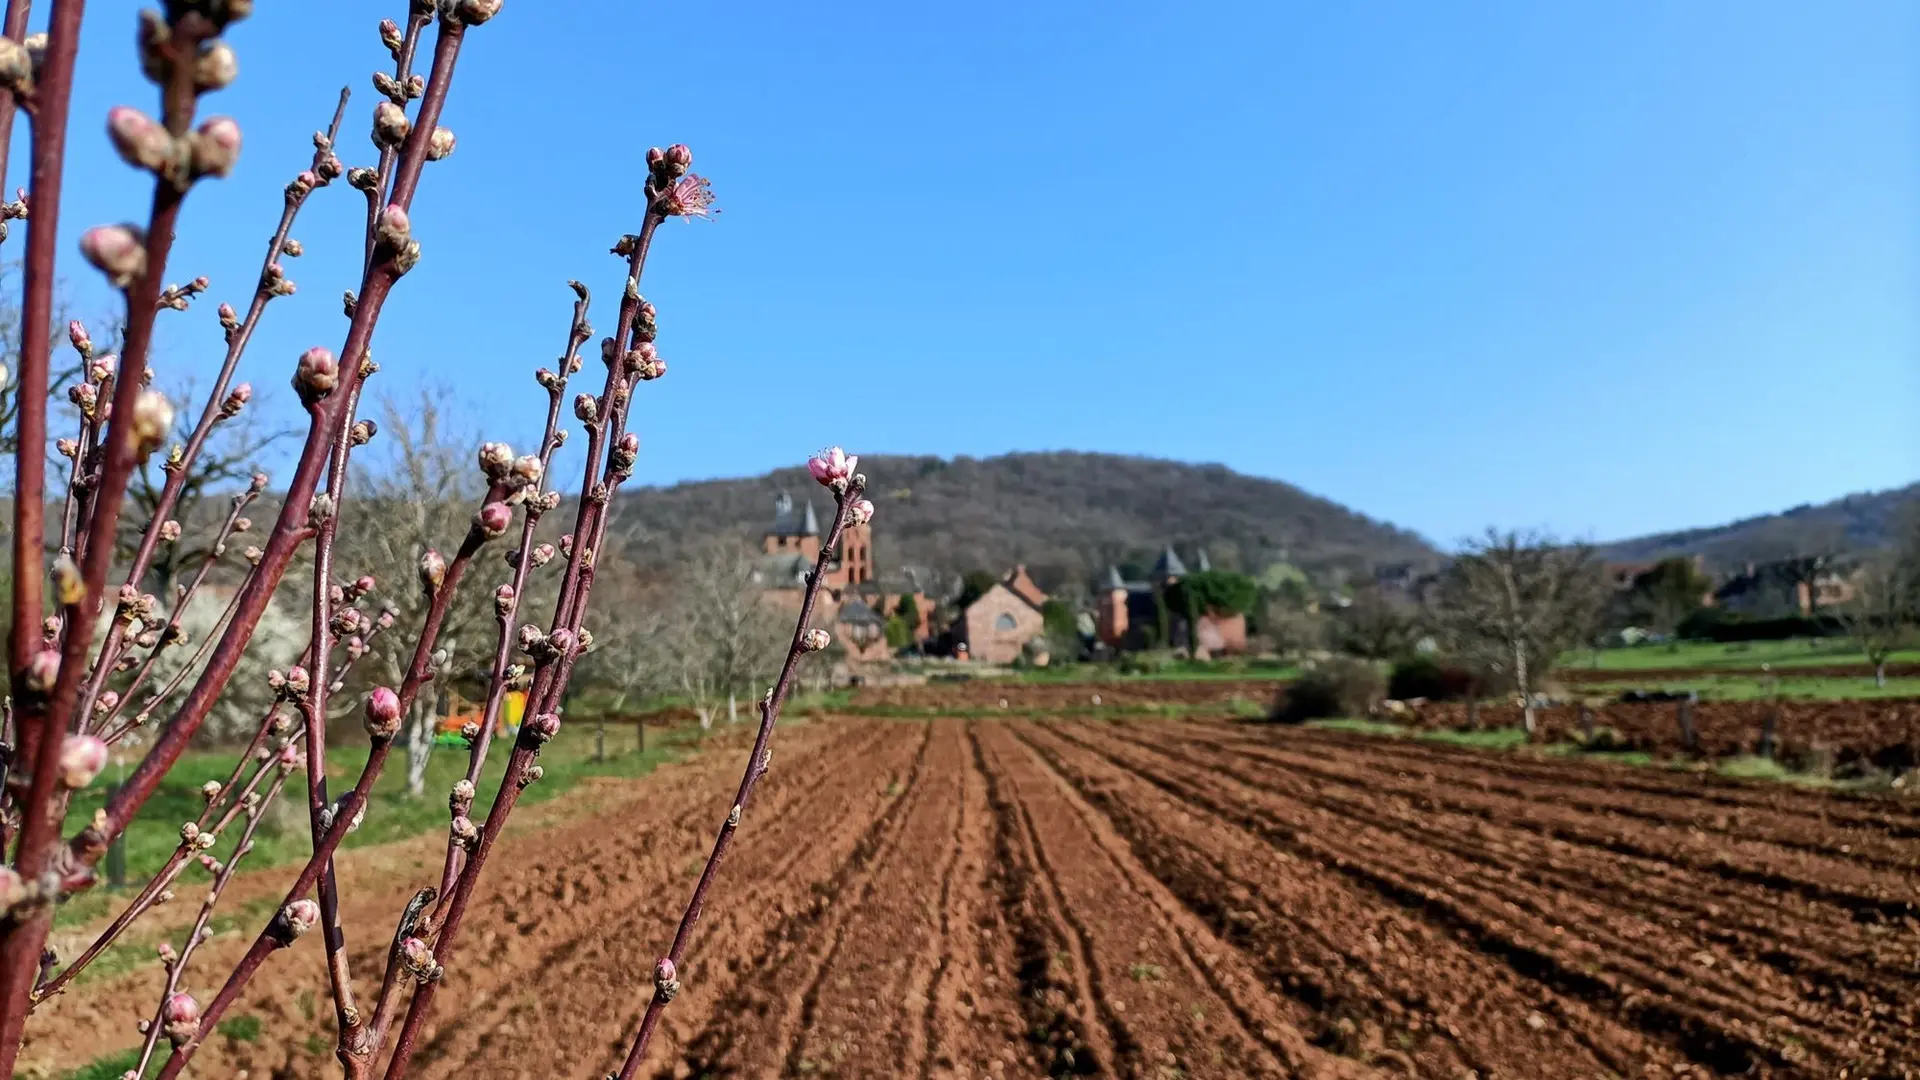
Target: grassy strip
[(1514, 740), (1793, 652), (1749, 688)]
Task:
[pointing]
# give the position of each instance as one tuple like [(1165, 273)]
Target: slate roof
[(789, 521)]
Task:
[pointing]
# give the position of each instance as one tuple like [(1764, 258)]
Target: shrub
[(1341, 686), (1425, 677)]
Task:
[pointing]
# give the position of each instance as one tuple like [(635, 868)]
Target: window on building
[(1004, 622)]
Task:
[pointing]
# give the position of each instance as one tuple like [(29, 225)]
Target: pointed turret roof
[(1168, 565), (1114, 580), (1202, 562), (789, 522)]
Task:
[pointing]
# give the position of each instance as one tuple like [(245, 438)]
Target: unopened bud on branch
[(296, 919), (81, 759), (316, 375), (493, 519), (82, 342), (542, 555), (433, 570), (140, 140), (383, 713), (118, 251), (215, 147), (236, 400), (861, 513), (43, 671), (439, 144), (216, 67), (152, 420), (390, 125), (180, 1017), (587, 408), (542, 727), (815, 639), (496, 459)]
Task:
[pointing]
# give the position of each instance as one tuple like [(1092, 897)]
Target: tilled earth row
[(1006, 898)]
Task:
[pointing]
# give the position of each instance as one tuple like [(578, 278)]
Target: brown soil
[(1149, 899), (1883, 734), (1052, 697)]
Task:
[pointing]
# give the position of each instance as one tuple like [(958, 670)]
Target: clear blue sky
[(1599, 267)]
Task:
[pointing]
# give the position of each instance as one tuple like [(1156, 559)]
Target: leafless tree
[(1376, 625), (1881, 615), (720, 630), (420, 490), (1513, 602), (629, 627)]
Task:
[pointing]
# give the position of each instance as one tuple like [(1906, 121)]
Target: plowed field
[(1155, 899)]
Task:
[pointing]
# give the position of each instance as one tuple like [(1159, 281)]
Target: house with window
[(997, 627)]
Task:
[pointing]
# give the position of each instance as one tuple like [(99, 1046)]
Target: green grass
[(1748, 687), (1794, 652), (1167, 669), (111, 1067), (1488, 739)]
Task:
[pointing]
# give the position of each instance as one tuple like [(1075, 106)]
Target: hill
[(1859, 522), (1065, 515)]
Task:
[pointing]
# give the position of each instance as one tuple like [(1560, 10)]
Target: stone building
[(853, 605), (996, 627)]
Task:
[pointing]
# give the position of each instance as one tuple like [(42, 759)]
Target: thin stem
[(666, 982), (38, 737)]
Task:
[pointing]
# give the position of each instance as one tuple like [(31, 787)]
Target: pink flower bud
[(465, 833), (861, 513), (43, 671), (542, 555), (236, 400), (815, 639), (496, 458), (152, 420), (656, 158), (141, 141), (289, 757), (417, 957), (493, 519), (439, 144), (560, 641), (383, 713), (390, 125), (216, 67), (527, 469), (586, 408), (316, 375), (181, 1017), (664, 972), (258, 483), (169, 531), (118, 251), (13, 889), (364, 584), (679, 158), (215, 147), (542, 727), (299, 917), (81, 759), (390, 35), (68, 448), (471, 12), (298, 680), (77, 334), (395, 227), (832, 468)]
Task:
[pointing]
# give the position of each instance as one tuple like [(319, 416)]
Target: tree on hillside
[(1513, 602), (1664, 595)]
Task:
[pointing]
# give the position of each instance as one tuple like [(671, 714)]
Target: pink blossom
[(832, 467), (81, 759)]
